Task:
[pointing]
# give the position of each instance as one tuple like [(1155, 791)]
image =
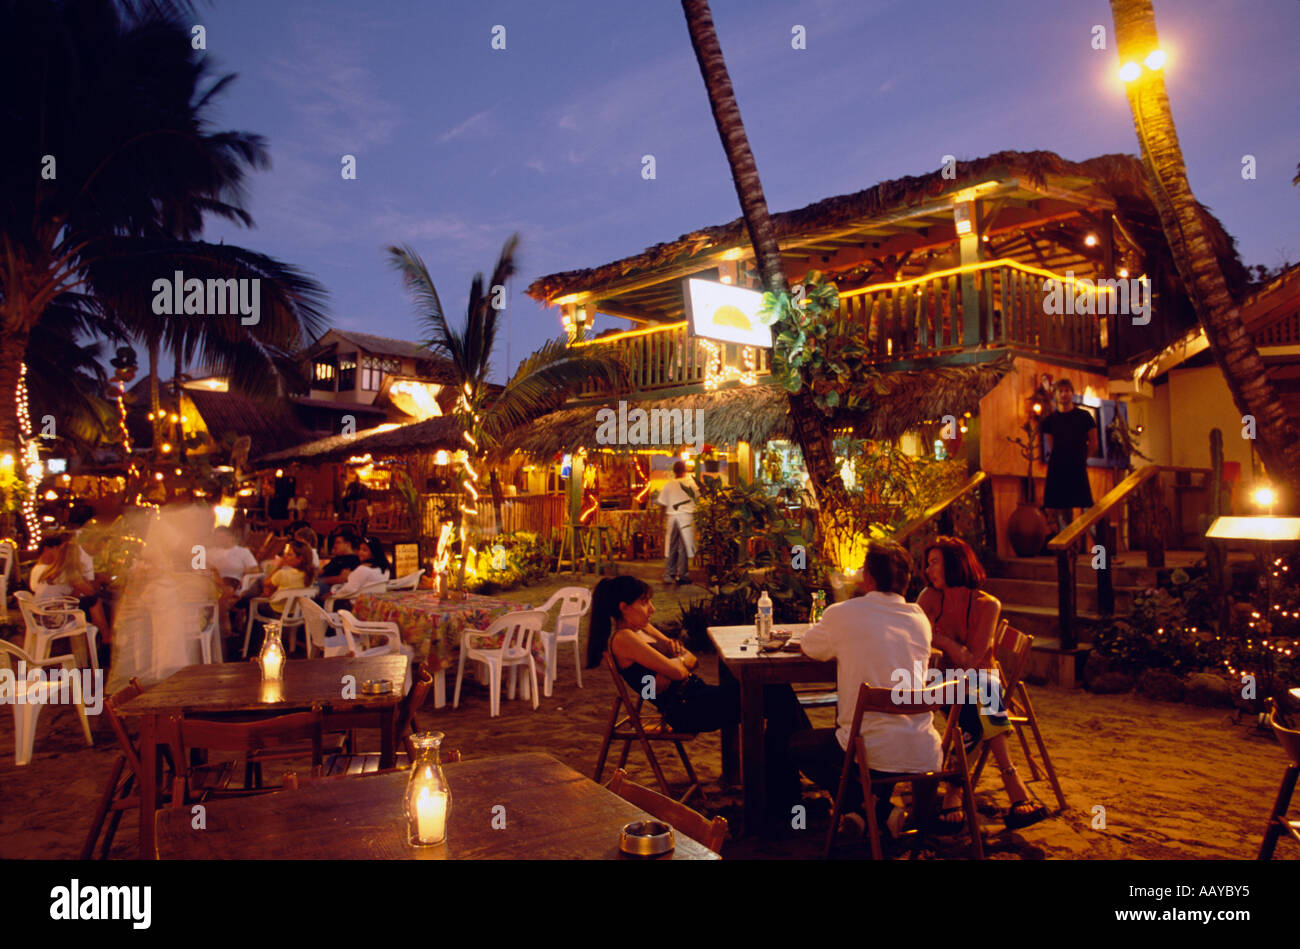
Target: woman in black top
[(620, 622)]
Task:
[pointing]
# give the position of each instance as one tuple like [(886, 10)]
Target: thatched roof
[(756, 414), (1121, 178), (430, 435)]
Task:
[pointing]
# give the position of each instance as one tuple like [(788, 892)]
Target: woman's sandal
[(1024, 813), (944, 825)]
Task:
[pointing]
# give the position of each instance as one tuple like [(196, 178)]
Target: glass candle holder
[(271, 658), (428, 796)]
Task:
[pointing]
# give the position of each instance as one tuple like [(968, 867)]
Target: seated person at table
[(231, 561), (374, 568), (308, 537), (620, 622), (964, 619), (295, 572), (343, 550), (59, 572), (870, 637)]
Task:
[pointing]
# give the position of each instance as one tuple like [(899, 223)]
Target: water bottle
[(818, 607), (765, 616)]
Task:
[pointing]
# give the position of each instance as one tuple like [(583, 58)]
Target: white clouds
[(479, 123)]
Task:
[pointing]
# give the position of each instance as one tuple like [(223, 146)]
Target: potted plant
[(1027, 528), (709, 458)]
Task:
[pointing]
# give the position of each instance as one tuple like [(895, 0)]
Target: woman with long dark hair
[(963, 619), (620, 623)]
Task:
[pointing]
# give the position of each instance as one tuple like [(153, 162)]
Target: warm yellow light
[(725, 278), (685, 455), (1260, 527), (1130, 71), (175, 417), (630, 333), (735, 253), (178, 472), (7, 461), (224, 512), (1264, 496), (440, 457), (214, 384), (166, 447), (51, 495), (1038, 408), (279, 472), (899, 283), (1123, 272), (1091, 240), (1155, 60), (157, 475)]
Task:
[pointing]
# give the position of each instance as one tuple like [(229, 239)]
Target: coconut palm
[(113, 170), (810, 426), (540, 384), (1182, 218)]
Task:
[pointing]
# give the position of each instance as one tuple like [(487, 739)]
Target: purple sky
[(458, 145)]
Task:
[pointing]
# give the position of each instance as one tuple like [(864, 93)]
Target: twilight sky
[(458, 144)]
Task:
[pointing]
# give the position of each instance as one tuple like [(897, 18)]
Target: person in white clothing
[(374, 568), (678, 498), (871, 637)]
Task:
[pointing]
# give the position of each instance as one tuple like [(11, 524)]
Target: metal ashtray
[(376, 687), (646, 838)]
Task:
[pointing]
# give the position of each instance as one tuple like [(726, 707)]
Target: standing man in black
[(1074, 441)]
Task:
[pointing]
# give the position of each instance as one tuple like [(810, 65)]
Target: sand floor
[(1175, 781)]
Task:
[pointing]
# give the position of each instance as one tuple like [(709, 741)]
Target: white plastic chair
[(409, 582), (290, 620), (575, 602), (379, 586), (30, 697), (516, 650), (8, 557), (361, 632), (325, 633), (206, 624), (53, 618)]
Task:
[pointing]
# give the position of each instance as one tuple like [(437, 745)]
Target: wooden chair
[(955, 769), (690, 822), (1278, 823), (631, 727), (120, 793), (368, 762), (193, 782), (291, 780), (1012, 650)]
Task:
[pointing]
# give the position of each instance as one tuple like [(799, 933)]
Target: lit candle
[(431, 816)]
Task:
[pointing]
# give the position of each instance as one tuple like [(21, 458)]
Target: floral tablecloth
[(433, 625)]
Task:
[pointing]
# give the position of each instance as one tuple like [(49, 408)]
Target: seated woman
[(964, 619), (374, 568), (294, 571), (59, 572), (620, 622)]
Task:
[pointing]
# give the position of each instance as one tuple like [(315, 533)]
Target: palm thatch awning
[(757, 414), (432, 434)]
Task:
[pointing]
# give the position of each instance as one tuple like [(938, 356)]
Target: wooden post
[(1105, 576), (744, 463), (989, 516), (1065, 561), (971, 252)]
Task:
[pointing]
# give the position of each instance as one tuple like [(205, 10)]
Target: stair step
[(1016, 592), (1133, 572), (1042, 623)]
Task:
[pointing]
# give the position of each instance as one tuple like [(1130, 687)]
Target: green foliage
[(811, 348), (12, 489), (509, 561), (1166, 630)]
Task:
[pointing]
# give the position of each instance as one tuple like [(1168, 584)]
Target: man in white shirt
[(230, 560), (678, 500), (871, 637)]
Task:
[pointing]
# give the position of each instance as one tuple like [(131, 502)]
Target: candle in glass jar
[(431, 816), (272, 664)]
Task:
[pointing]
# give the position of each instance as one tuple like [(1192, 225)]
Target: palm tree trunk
[(1184, 227), (13, 350), (812, 429), (155, 397), (497, 501)]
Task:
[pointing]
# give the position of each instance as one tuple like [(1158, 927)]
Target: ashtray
[(376, 687), (646, 838), (772, 645), (782, 634)]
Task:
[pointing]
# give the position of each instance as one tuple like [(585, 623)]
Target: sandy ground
[(1175, 781)]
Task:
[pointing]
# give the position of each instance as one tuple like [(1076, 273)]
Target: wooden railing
[(1100, 518), (1000, 305), (534, 513), (941, 511)]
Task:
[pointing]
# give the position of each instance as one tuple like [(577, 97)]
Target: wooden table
[(221, 688), (551, 813), (752, 670)]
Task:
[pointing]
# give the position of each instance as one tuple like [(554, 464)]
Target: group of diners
[(871, 636), (355, 563)]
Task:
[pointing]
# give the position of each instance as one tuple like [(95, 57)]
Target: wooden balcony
[(931, 319)]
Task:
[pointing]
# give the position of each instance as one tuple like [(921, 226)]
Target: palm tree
[(1182, 219), (486, 412), (115, 171), (810, 425)]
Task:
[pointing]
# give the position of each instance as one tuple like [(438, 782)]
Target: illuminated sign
[(726, 313)]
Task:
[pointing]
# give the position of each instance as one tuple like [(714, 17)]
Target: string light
[(31, 460)]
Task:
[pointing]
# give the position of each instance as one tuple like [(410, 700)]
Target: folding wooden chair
[(193, 782), (630, 727), (368, 762), (692, 823), (956, 769), (1012, 650), (120, 793), (293, 782), (1278, 823)]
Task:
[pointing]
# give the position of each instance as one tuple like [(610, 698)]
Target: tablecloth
[(433, 625)]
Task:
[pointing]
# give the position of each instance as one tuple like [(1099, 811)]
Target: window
[(373, 370), (347, 373), (323, 373)]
